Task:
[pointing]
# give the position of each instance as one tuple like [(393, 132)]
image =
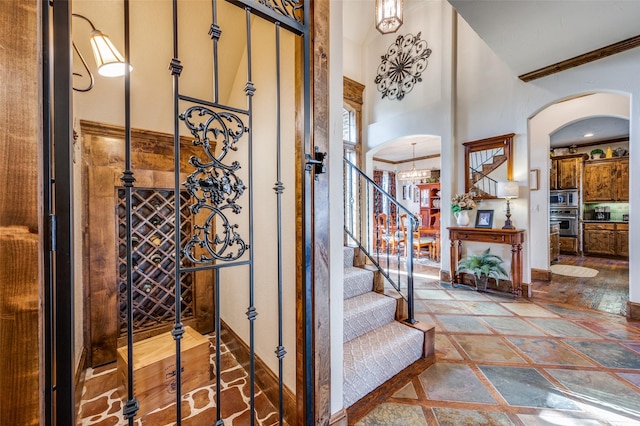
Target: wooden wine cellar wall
[(152, 240)]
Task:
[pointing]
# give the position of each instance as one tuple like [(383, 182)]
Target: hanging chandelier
[(414, 175), (388, 15)]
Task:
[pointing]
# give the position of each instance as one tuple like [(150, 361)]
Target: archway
[(541, 125)]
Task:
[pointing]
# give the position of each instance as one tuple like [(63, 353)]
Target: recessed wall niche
[(153, 197)]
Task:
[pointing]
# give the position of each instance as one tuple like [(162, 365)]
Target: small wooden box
[(154, 370)]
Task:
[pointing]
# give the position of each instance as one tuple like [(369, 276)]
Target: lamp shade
[(508, 189), (388, 15), (109, 61)]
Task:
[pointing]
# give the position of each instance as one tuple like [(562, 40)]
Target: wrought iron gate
[(220, 199)]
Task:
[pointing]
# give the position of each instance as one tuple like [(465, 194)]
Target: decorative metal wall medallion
[(214, 186), (402, 66)]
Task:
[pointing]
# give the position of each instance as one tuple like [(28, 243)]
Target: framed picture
[(405, 189), (484, 219), (534, 179), (416, 195)]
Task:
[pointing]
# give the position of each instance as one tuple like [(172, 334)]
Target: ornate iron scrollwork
[(290, 8), (214, 185), (402, 66)]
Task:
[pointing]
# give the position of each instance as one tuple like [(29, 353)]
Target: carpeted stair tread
[(375, 357), (366, 312), (357, 281), (348, 256)]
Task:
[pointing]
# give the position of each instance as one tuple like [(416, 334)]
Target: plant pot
[(481, 283)]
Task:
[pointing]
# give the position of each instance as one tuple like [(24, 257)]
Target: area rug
[(574, 271)]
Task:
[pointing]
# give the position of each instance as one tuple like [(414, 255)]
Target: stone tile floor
[(101, 402), (501, 361)]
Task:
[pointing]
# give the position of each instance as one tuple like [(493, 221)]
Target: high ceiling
[(528, 35)]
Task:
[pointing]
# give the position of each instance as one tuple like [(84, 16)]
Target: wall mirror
[(487, 162)]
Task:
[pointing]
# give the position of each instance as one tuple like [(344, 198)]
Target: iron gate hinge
[(52, 227), (315, 162)]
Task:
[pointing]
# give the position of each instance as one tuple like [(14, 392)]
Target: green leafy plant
[(483, 266)]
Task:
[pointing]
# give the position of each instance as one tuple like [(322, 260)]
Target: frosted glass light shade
[(109, 61), (508, 189), (388, 15)]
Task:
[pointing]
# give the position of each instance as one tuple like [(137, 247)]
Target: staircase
[(376, 346)]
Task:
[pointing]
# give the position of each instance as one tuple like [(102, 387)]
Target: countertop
[(604, 221)]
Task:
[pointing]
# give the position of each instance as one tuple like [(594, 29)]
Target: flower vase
[(462, 218)]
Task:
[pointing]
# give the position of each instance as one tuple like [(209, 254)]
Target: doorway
[(572, 114)]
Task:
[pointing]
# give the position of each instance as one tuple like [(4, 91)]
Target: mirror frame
[(494, 142)]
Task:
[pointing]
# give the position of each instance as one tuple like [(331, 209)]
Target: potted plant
[(597, 153), (482, 267)]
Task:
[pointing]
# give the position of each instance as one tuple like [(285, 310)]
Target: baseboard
[(540, 274), (633, 311), (339, 418), (265, 378), (79, 377)]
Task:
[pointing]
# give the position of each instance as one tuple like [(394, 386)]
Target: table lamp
[(508, 190)]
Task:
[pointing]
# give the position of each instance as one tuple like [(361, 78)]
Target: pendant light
[(414, 175), (388, 15)]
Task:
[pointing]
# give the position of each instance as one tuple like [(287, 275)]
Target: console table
[(513, 237)]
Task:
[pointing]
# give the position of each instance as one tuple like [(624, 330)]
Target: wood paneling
[(103, 163), (20, 244)]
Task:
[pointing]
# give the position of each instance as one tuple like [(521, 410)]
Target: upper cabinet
[(606, 180), (566, 171), (487, 162)]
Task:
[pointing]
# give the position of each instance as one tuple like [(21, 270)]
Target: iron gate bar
[(251, 311), (131, 405), (47, 203), (212, 104), (178, 330), (216, 267), (63, 209), (279, 188), (219, 421), (215, 34), (272, 16)]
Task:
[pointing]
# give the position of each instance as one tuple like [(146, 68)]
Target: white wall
[(429, 108), (492, 101)]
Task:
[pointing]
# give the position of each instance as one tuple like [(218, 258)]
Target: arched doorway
[(541, 126)]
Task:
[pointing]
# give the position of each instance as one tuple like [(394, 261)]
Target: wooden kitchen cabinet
[(553, 175), (622, 178), (569, 245), (622, 239), (566, 171), (554, 242), (609, 239), (606, 180)]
